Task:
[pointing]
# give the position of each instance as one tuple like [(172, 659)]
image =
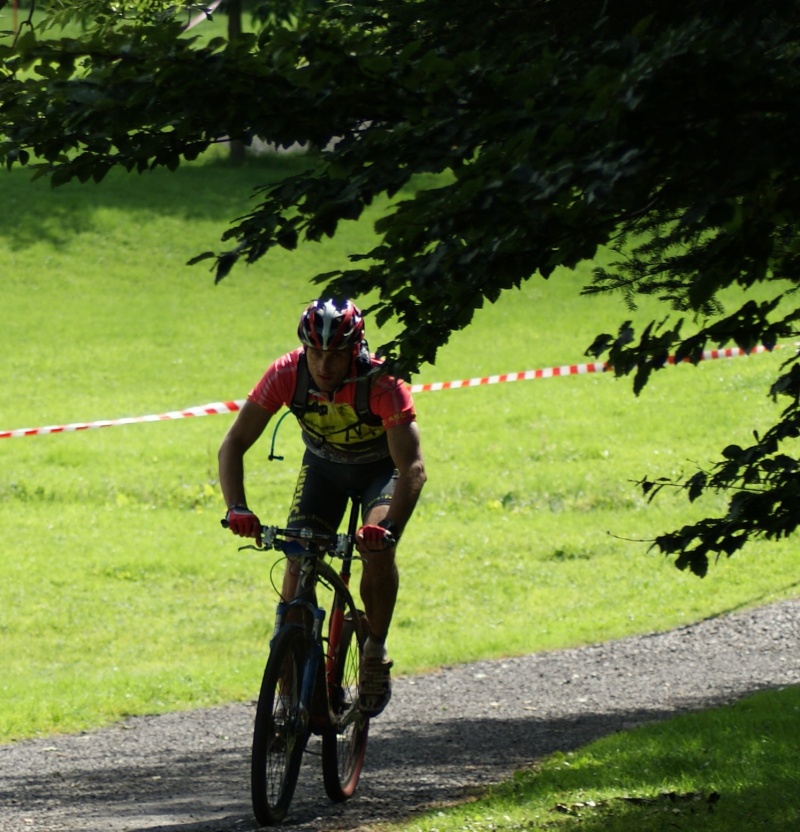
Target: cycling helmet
[(331, 325)]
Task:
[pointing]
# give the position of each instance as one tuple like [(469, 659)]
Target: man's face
[(329, 368)]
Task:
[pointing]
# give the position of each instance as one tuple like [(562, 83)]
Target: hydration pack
[(299, 403)]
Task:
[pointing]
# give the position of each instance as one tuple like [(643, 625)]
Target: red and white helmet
[(331, 325)]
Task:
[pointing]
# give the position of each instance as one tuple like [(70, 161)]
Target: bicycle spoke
[(281, 729), (344, 745)]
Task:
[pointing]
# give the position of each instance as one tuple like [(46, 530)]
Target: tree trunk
[(234, 7)]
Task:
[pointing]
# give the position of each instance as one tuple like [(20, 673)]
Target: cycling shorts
[(324, 487)]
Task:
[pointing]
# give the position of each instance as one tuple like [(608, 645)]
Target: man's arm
[(249, 424), (406, 452)]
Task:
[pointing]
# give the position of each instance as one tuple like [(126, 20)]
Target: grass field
[(119, 592), (116, 569)]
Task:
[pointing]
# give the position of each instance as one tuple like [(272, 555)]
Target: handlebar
[(275, 537)]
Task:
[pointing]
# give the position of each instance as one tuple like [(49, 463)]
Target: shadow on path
[(444, 737)]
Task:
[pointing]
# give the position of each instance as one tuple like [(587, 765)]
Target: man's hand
[(374, 539), (243, 522)]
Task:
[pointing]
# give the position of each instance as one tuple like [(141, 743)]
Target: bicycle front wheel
[(345, 742), (281, 729)]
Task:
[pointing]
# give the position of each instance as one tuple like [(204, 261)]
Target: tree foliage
[(533, 133)]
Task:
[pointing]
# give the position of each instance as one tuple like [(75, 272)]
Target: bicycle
[(310, 683)]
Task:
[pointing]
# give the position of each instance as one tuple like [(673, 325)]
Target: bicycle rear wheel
[(345, 742), (281, 729)]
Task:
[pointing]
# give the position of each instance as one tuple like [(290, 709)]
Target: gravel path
[(444, 735)]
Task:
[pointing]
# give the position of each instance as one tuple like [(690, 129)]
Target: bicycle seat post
[(352, 525)]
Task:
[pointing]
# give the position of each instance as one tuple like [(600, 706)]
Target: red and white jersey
[(331, 424)]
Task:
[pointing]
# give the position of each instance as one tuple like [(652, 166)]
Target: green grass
[(725, 769), (119, 592)]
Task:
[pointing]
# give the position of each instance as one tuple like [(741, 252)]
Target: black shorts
[(324, 487)]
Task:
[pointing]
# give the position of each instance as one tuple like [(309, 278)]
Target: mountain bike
[(310, 684)]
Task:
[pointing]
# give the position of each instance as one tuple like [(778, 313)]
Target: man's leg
[(379, 583)]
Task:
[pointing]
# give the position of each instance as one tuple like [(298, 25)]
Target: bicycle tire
[(281, 729), (344, 743)]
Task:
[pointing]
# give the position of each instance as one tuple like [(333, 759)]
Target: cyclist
[(360, 431)]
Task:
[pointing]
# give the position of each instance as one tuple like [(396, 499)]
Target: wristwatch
[(390, 527)]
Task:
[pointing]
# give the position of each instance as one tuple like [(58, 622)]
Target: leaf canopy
[(530, 135)]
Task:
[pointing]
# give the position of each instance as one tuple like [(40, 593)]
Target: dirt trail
[(444, 735)]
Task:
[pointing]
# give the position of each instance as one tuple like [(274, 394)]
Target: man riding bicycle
[(361, 435)]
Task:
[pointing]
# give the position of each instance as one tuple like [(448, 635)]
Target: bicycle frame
[(305, 689), (338, 605), (310, 567)]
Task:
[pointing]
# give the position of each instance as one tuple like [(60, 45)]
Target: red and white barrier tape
[(528, 375), (566, 370), (216, 408), (203, 410)]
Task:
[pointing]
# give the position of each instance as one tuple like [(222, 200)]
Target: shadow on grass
[(218, 192), (725, 769)]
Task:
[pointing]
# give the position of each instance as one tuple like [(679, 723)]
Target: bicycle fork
[(305, 711)]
